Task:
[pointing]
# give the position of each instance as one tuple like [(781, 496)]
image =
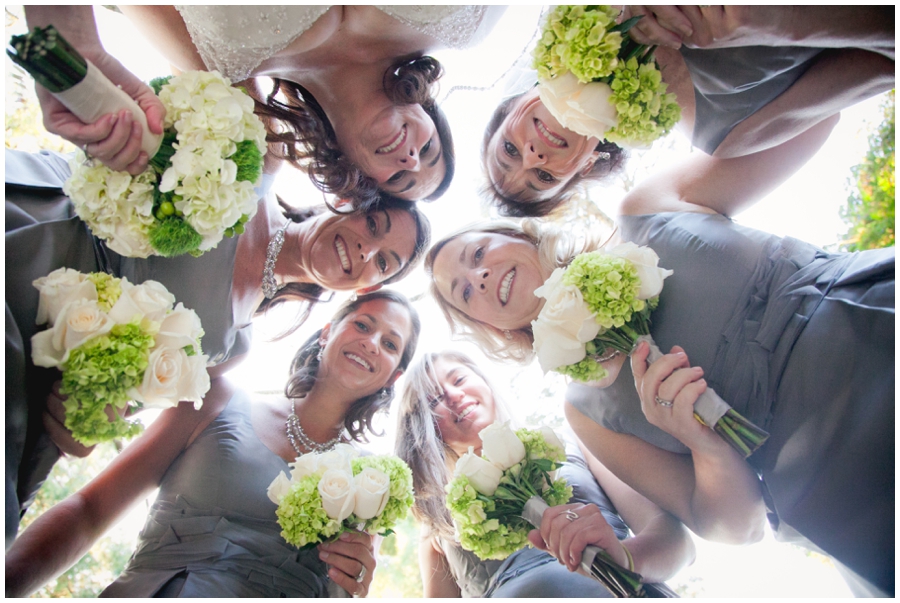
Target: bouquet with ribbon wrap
[(602, 301), (198, 186), (596, 81), (117, 345), (331, 492)]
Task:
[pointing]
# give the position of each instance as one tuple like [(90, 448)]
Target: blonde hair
[(556, 248), (419, 442)]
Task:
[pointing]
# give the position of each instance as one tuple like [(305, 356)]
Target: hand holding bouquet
[(331, 492), (116, 342), (602, 301), (598, 82), (198, 186)]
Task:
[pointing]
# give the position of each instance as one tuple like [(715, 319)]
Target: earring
[(321, 350), (603, 156), (507, 334)]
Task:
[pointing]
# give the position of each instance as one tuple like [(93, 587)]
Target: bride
[(358, 112)]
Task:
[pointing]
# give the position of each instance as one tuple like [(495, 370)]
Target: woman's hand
[(567, 529), (54, 417), (352, 561), (668, 389), (661, 25)]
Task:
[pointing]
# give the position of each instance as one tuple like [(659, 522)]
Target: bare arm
[(661, 546), (725, 185), (437, 581), (62, 535)]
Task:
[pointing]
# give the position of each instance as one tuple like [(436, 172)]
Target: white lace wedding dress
[(234, 40)]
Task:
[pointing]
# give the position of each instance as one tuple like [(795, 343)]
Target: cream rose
[(338, 493), (78, 322), (564, 325), (501, 445), (484, 476), (172, 376), (552, 439), (373, 489), (280, 486), (338, 458), (57, 289), (582, 108), (646, 263), (304, 466), (179, 328), (150, 300)]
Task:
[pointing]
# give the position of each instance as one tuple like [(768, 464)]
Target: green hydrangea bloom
[(99, 373), (577, 39), (609, 286), (301, 516), (108, 287), (401, 499), (537, 447), (644, 109), (585, 370)]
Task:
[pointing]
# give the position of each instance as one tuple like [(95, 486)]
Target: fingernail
[(323, 555), (113, 118), (698, 370), (680, 355), (346, 536)]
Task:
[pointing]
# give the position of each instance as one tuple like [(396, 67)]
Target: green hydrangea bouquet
[(597, 81), (331, 492), (601, 303), (199, 184)]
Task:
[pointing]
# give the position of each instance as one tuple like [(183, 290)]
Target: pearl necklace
[(269, 286), (295, 432)]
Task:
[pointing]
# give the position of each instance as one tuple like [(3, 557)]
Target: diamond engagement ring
[(571, 515), (362, 574), (661, 402)]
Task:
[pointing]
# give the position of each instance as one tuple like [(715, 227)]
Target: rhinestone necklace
[(296, 434), (269, 286)]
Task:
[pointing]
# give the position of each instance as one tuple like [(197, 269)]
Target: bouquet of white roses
[(199, 184), (602, 301), (598, 82), (116, 343), (332, 492)]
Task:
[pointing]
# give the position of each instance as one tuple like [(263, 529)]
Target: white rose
[(78, 322), (501, 445), (484, 476), (194, 380), (338, 493), (149, 300), (305, 465), (646, 262), (172, 376), (564, 325), (582, 108), (373, 489), (336, 459), (280, 486), (552, 439), (180, 328), (57, 289)]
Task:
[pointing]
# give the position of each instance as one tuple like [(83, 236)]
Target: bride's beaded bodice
[(234, 40)]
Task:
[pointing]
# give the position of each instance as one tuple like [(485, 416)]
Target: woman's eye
[(467, 293), (479, 254), (510, 149), (545, 176), (459, 381), (382, 264), (390, 345), (396, 177), (424, 150), (362, 326), (372, 224), (435, 400)]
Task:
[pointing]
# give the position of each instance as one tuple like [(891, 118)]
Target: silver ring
[(661, 402), (570, 515), (362, 574)]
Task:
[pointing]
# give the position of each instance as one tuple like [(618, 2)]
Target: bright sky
[(806, 207)]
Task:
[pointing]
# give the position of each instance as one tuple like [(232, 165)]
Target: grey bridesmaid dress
[(799, 341)]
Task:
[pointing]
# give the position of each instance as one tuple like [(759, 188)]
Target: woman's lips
[(392, 146), (551, 138), (506, 286), (340, 248)]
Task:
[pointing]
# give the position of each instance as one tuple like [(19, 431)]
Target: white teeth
[(505, 286), (361, 361), (554, 139), (401, 138), (465, 413), (342, 254)]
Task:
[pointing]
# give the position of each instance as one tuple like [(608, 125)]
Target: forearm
[(661, 549), (437, 580)]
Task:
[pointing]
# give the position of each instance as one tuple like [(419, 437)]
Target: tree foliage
[(870, 207)]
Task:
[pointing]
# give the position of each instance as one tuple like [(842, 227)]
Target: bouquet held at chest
[(198, 186), (331, 492), (602, 302), (497, 498), (117, 345), (596, 81)]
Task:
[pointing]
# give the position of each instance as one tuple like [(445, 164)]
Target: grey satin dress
[(43, 234), (799, 341), (212, 531)]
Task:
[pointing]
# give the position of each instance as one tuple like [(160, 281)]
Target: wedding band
[(362, 574), (571, 515), (661, 402)]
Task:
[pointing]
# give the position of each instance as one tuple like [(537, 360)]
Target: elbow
[(739, 530)]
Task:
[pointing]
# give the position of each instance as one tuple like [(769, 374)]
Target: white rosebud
[(180, 328), (564, 325), (57, 289), (280, 486), (501, 445), (305, 465), (338, 493), (582, 108), (78, 322), (336, 459), (172, 376), (646, 262), (150, 300), (552, 439), (373, 489), (484, 476)]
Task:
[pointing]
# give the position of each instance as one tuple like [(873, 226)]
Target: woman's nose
[(410, 160), (366, 251), (532, 157), (479, 279)]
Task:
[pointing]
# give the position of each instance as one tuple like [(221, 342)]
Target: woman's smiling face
[(465, 407), (491, 278), (360, 250)]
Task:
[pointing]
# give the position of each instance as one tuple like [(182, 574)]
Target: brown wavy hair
[(298, 131)]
